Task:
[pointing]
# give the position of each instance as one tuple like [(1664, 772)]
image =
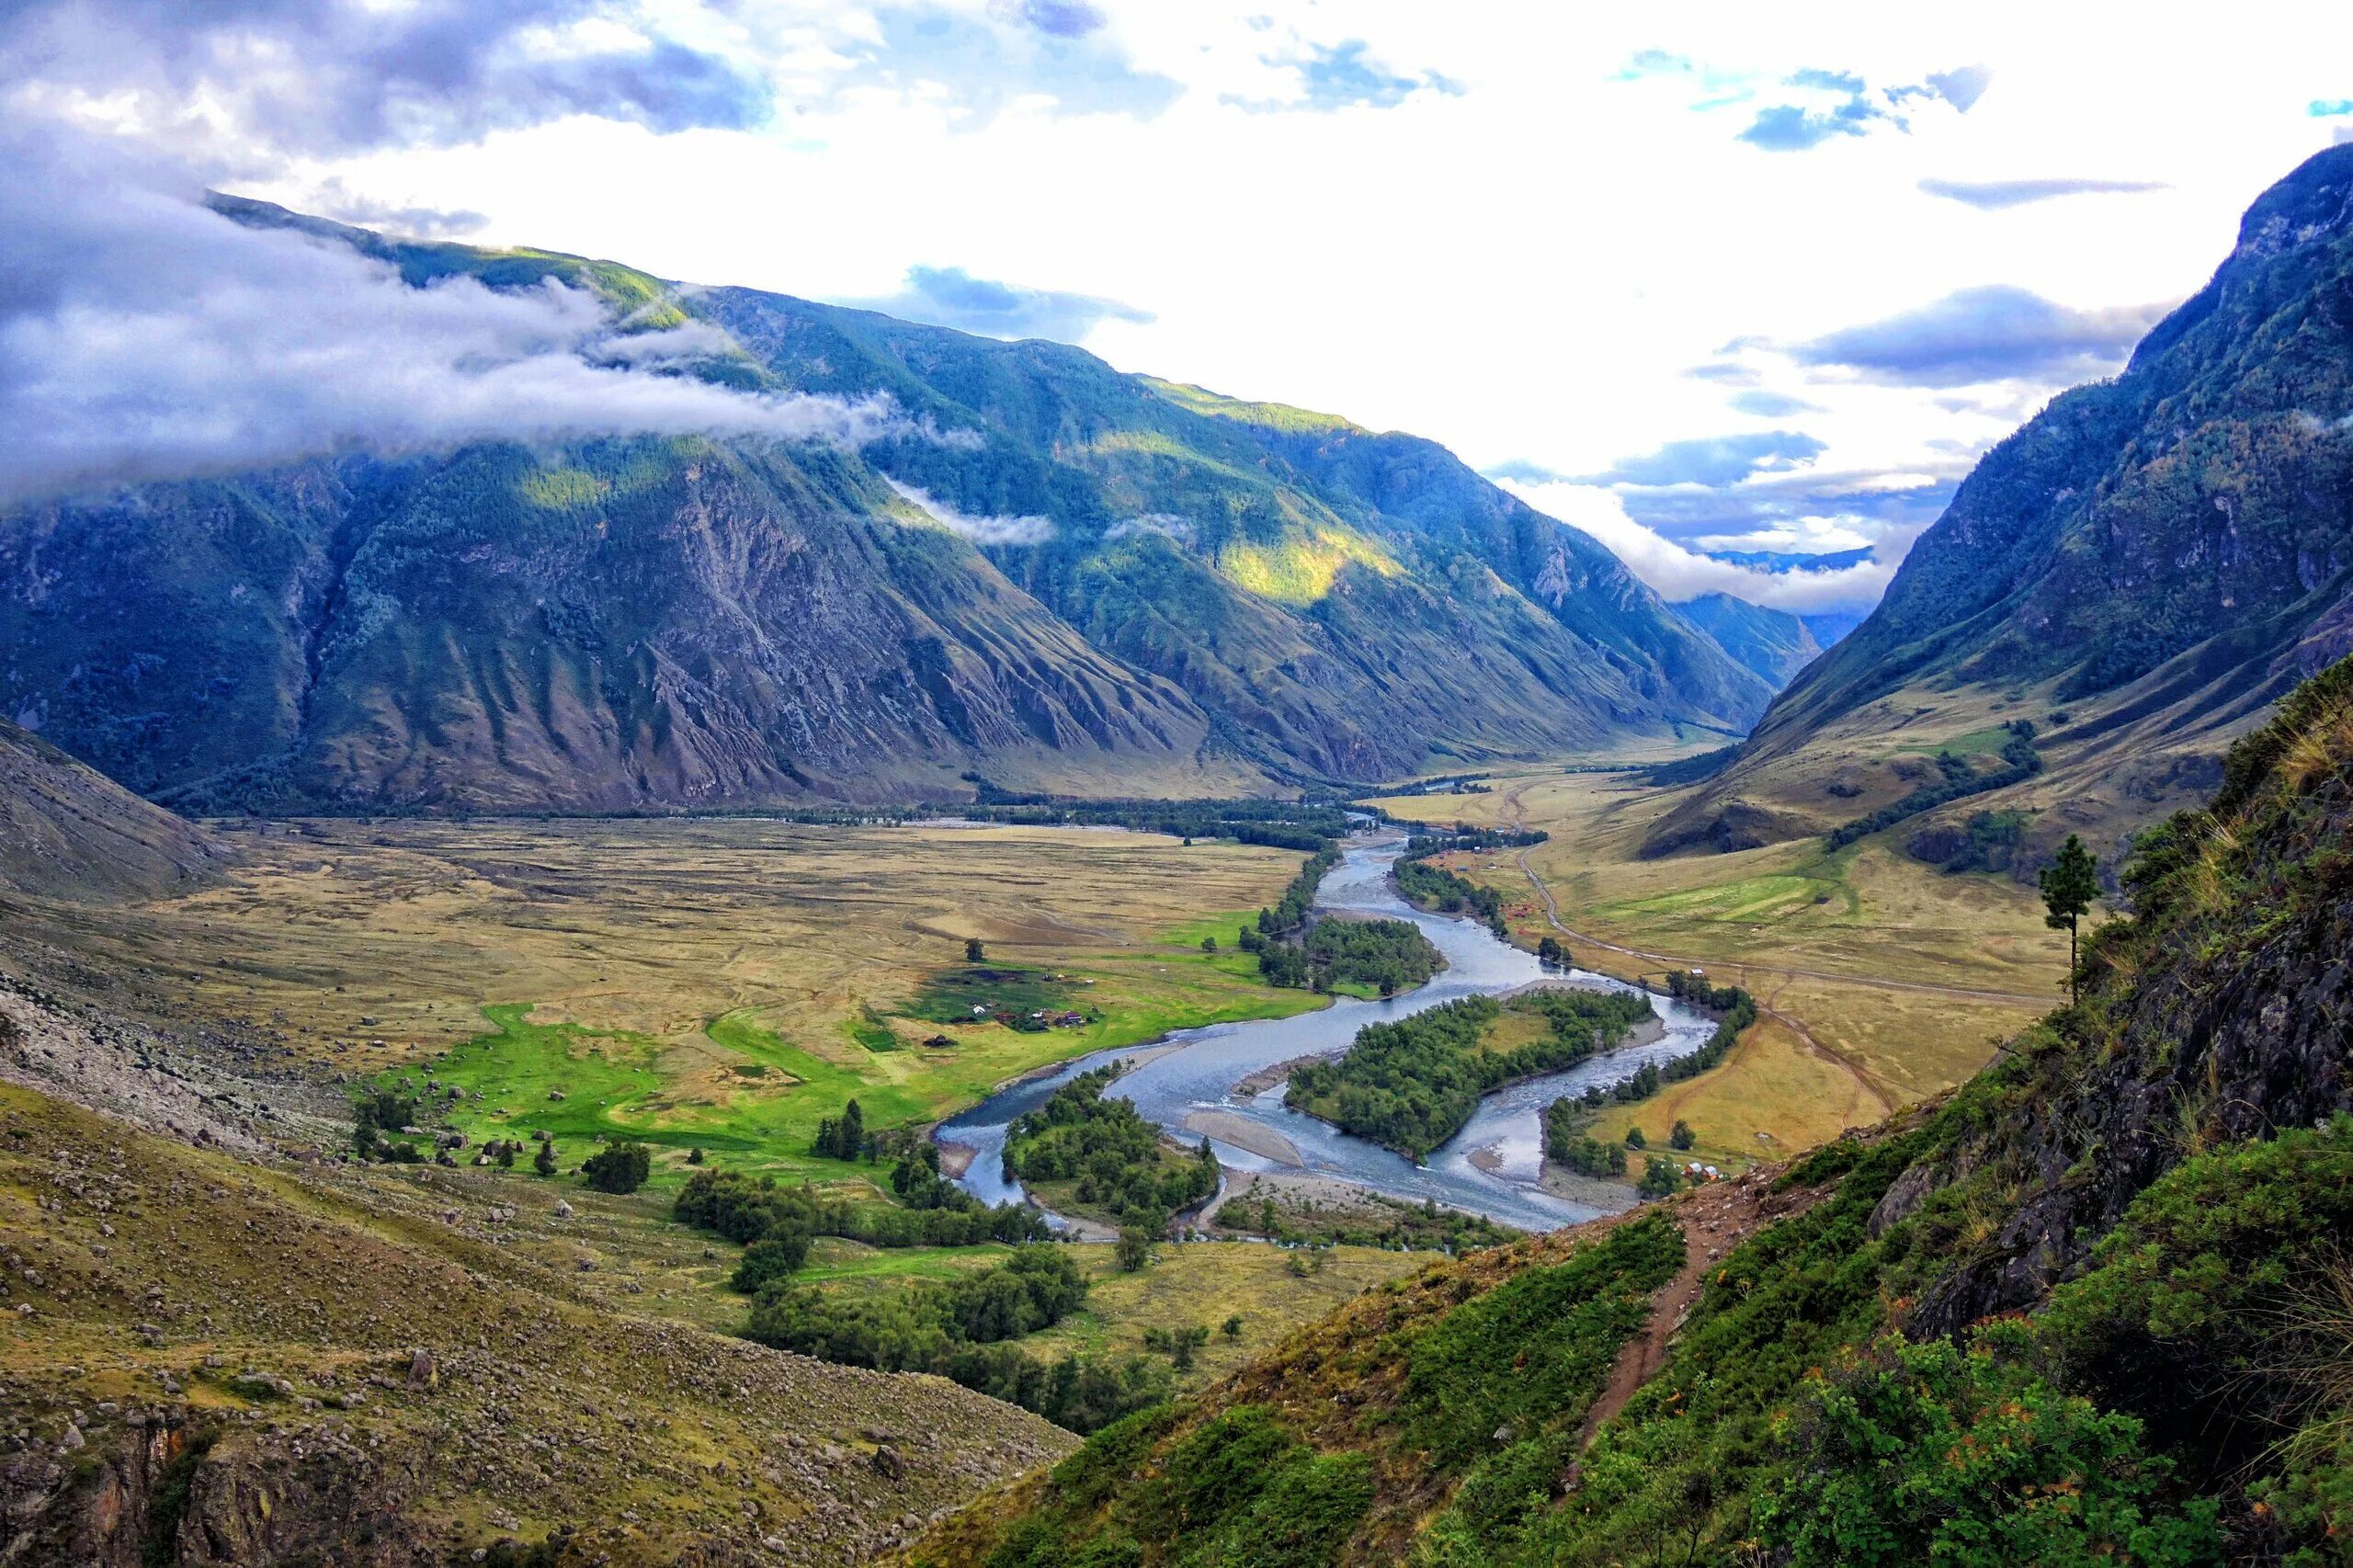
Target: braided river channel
[(1187, 1081)]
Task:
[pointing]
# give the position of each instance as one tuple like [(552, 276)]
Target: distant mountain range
[(1051, 575), (1772, 642), (1776, 561), (2139, 572)]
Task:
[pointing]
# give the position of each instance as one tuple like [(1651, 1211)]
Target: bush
[(770, 1260), (617, 1167), (1926, 1453)]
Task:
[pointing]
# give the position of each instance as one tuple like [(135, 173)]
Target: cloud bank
[(1993, 195), (1991, 334), (254, 81), (980, 531), (1678, 574), (144, 336)]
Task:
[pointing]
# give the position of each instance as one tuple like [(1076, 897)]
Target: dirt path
[(1715, 1219)]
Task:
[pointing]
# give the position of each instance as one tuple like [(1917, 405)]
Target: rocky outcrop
[(2211, 1018), (167, 1493)]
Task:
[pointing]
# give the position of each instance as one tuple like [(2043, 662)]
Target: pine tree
[(545, 1160), (973, 951), (2070, 883)]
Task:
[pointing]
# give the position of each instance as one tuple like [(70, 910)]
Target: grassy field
[(1815, 936), (722, 983)]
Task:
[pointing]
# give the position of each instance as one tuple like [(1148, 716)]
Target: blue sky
[(1706, 276)]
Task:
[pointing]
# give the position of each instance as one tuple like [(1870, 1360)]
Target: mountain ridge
[(1208, 596), (2173, 545)]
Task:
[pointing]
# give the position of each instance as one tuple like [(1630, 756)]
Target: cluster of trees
[(1289, 912), (747, 1210), (1735, 1010), (375, 1112), (843, 1137), (960, 1329), (1390, 954), (617, 1167), (1412, 1083), (1960, 778), (1435, 887), (1462, 836), (1115, 1156), (1566, 1142)]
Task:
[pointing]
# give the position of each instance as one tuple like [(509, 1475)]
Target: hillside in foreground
[(2091, 1306), (2139, 573), (212, 1361)]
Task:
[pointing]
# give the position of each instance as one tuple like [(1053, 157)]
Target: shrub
[(617, 1167)]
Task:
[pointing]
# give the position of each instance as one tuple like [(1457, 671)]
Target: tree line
[(1411, 1083), (1117, 1157)]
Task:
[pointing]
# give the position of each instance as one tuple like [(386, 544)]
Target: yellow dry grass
[(1861, 927), (335, 935)]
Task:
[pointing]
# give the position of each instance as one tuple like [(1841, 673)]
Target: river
[(1195, 1071)]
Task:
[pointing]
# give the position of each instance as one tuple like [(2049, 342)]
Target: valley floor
[(1882, 981)]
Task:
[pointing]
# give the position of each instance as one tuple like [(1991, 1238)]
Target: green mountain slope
[(1773, 643), (2090, 1307), (1211, 595), (2158, 557)]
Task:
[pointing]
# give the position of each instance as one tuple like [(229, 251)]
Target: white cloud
[(1543, 311), (980, 531), (1678, 573), (143, 335)]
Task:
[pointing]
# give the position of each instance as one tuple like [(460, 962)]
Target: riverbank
[(1243, 1133), (1223, 1072)]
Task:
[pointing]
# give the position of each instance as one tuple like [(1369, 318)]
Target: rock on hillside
[(68, 832), (210, 1361), (2159, 557)]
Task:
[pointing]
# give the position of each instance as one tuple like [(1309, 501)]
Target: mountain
[(2092, 1307), (1778, 561), (1774, 644), (1163, 591), (67, 832), (2141, 569), (1831, 627)]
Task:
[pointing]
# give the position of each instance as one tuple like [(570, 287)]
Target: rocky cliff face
[(1120, 585), (2164, 554), (2222, 1012)]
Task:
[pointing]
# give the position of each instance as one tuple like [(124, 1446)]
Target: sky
[(1692, 278)]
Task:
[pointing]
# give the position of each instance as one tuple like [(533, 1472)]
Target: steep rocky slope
[(1041, 572), (2093, 1307), (2157, 558), (67, 832)]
